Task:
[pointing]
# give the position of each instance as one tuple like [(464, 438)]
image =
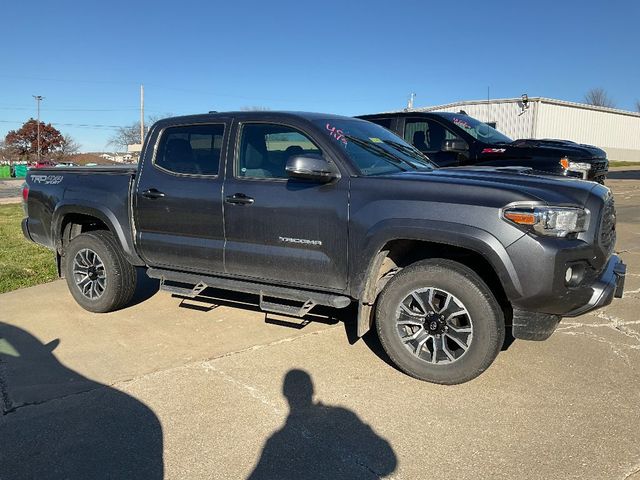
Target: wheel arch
[(390, 250), (69, 220)]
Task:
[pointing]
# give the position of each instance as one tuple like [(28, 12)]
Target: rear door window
[(191, 149), (427, 135)]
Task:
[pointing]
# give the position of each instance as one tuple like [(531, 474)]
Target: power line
[(73, 109), (80, 125)]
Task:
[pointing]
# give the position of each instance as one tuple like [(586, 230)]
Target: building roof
[(553, 101)]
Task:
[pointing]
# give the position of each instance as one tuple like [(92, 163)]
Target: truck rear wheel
[(439, 322), (98, 275)]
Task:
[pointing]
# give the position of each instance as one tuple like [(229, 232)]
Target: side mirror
[(454, 145), (311, 167)]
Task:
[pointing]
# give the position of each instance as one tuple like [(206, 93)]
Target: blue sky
[(89, 58)]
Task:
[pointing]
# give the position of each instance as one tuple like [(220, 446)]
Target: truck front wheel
[(438, 321), (98, 275)]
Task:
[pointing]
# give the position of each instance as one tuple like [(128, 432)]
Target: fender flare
[(101, 213), (446, 233)]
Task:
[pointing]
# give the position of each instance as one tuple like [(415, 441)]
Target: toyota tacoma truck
[(456, 139), (305, 209)]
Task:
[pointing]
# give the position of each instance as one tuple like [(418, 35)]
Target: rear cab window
[(191, 149)]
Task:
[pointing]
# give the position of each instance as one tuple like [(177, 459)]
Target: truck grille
[(608, 227), (598, 166)]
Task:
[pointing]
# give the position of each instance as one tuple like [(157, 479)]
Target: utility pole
[(141, 114), (38, 98)]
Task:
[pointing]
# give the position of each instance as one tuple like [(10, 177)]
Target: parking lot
[(186, 389)]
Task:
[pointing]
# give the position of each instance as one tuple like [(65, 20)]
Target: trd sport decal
[(47, 179)]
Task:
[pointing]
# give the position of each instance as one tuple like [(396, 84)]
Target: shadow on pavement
[(57, 423), (321, 441), (145, 287), (623, 174)]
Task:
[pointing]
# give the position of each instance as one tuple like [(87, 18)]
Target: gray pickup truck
[(310, 209)]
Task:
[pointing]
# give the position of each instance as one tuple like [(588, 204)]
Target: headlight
[(579, 166), (549, 221), (575, 166)]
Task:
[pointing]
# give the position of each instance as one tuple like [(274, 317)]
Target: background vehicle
[(44, 164), (312, 209), (456, 139)]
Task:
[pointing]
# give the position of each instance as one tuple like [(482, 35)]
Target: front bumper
[(608, 286), (529, 325)]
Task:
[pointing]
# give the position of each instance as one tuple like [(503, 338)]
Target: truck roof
[(411, 114), (266, 115)]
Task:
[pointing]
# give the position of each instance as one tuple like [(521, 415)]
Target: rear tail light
[(25, 193)]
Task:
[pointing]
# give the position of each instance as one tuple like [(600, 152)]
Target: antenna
[(488, 103), (412, 97)]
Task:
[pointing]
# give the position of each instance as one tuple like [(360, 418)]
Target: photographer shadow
[(321, 441), (56, 423)]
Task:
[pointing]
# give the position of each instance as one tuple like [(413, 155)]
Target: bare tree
[(130, 134), (638, 106), (68, 147), (5, 151), (599, 97)]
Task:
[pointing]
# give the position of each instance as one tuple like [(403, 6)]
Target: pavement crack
[(15, 408), (204, 362), (251, 390), (341, 452), (5, 400), (614, 323), (632, 472), (270, 344)]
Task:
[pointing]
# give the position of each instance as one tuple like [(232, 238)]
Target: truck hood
[(522, 182), (560, 148)]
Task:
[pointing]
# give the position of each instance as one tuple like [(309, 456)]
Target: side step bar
[(307, 299)]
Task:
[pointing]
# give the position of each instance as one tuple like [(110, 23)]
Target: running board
[(308, 299), (286, 309)]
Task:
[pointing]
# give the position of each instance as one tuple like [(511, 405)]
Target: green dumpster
[(5, 171), (20, 171)]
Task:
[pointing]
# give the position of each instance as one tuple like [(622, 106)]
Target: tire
[(466, 335), (113, 279)]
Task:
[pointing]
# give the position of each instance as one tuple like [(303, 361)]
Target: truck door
[(279, 229), (178, 200), (429, 136)]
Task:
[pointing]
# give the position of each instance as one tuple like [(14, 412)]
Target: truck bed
[(101, 191), (96, 169)]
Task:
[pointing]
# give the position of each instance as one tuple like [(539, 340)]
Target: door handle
[(239, 199), (152, 193)]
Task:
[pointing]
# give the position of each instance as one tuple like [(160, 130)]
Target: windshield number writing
[(337, 134), (461, 123)]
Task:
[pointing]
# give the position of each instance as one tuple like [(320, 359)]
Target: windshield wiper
[(410, 151), (397, 161)]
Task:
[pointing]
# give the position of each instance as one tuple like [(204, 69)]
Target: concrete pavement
[(162, 390), (10, 190)]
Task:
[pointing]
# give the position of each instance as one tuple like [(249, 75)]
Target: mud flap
[(533, 325)]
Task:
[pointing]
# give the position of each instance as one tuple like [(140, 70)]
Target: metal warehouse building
[(615, 131)]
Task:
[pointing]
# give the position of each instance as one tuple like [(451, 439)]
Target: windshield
[(372, 148), (480, 131)]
